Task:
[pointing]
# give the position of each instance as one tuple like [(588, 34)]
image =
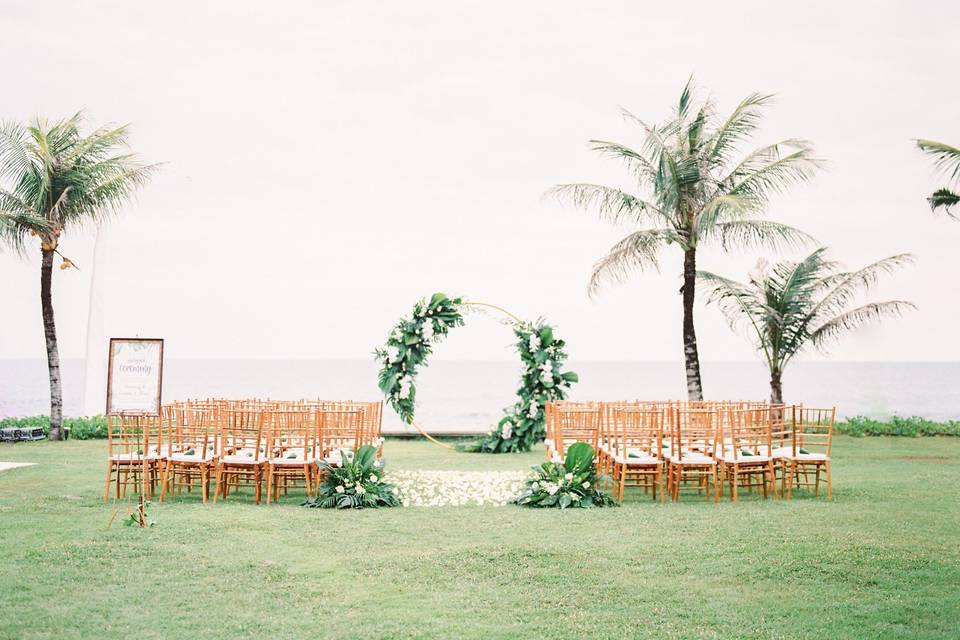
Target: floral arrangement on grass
[(408, 347), (356, 484), (543, 381), (410, 343), (572, 483)]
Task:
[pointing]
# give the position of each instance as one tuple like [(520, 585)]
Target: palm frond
[(944, 198), (638, 251), (835, 328), (748, 234), (611, 204), (946, 157), (634, 160), (740, 124), (773, 176)]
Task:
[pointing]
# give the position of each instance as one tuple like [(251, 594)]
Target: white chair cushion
[(742, 459), (126, 457), (189, 457), (697, 459), (242, 459), (810, 457), (295, 462), (636, 459)]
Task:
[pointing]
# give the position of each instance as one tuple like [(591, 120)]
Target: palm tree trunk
[(690, 353), (776, 387), (53, 355)]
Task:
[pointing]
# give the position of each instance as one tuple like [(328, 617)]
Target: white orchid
[(556, 458), (406, 384), (534, 342), (586, 485), (568, 477), (551, 487), (377, 464), (393, 353), (427, 330), (533, 411), (339, 488), (373, 478), (507, 431), (360, 490)]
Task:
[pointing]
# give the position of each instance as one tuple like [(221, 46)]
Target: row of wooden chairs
[(236, 443), (706, 445)]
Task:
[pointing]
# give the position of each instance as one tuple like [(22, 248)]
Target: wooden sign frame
[(159, 396)]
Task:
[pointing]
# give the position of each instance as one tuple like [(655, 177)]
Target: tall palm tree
[(798, 304), (54, 178), (697, 190), (947, 159)]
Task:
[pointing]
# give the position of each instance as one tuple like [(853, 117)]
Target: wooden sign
[(135, 376)]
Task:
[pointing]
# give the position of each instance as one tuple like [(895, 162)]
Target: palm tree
[(798, 304), (54, 178), (696, 192), (947, 159)]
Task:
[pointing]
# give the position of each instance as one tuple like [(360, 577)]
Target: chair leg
[(270, 481), (734, 483), (106, 489), (826, 469), (218, 482), (790, 479), (816, 481), (623, 478)]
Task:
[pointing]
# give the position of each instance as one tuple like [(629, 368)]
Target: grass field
[(880, 561)]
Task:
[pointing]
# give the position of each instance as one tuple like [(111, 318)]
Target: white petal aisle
[(458, 488)]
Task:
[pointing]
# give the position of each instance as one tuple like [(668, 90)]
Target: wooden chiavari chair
[(575, 422), (292, 445), (129, 441), (338, 432), (635, 449), (745, 459), (194, 450), (812, 442), (243, 456), (693, 450)]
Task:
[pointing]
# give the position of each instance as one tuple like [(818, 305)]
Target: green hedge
[(80, 428), (911, 427)]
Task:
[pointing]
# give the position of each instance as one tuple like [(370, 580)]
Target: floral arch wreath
[(411, 342)]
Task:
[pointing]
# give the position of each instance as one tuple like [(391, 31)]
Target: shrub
[(80, 428), (913, 427), (356, 484), (570, 484)]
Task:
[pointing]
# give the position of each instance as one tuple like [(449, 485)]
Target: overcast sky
[(327, 164)]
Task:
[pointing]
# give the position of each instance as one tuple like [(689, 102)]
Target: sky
[(327, 164)]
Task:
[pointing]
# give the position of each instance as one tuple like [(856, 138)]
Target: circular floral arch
[(411, 342)]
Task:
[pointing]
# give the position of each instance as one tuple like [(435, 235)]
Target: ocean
[(470, 395)]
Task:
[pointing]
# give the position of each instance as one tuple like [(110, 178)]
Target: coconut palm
[(697, 189), (947, 159), (796, 305), (54, 178)]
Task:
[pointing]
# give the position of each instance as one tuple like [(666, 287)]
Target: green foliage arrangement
[(543, 381), (410, 344), (91, 428), (571, 484), (356, 484), (408, 347), (859, 426)]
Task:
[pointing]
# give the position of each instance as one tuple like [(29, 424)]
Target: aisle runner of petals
[(458, 488)]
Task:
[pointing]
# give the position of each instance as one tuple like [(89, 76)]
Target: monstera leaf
[(365, 456), (579, 457)]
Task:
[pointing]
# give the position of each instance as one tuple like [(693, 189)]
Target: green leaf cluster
[(544, 380), (356, 484), (408, 347), (573, 484)]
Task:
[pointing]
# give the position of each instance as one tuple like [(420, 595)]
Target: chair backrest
[(241, 433), (576, 423), (193, 432), (338, 429), (813, 430), (746, 431), (694, 431), (636, 430), (291, 433), (130, 436)]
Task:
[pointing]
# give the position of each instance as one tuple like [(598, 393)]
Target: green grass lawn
[(880, 561)]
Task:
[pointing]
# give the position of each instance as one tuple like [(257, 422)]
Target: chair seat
[(190, 457), (810, 457), (130, 457), (243, 460), (741, 459), (636, 459), (291, 462), (693, 459)]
